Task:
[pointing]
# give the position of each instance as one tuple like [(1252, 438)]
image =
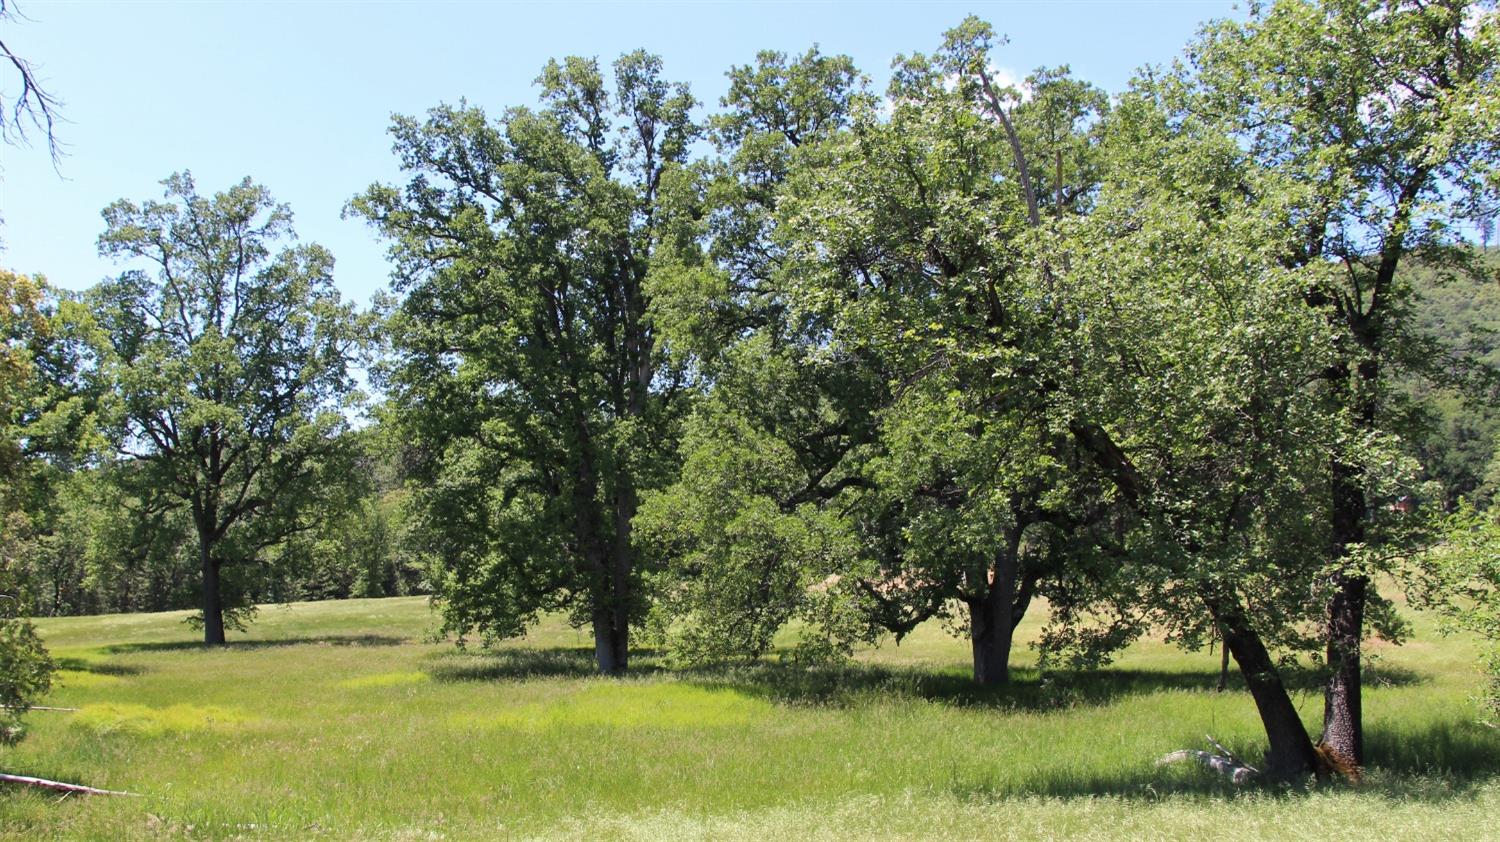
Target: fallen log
[(1224, 752), (1222, 761), (59, 786), (43, 707)]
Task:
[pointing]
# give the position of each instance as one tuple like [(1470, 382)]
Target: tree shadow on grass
[(827, 685), (1435, 763), (852, 683), (250, 645), (524, 662), (1439, 763), (97, 667), (1029, 689), (1453, 749), (1442, 761), (1309, 678)]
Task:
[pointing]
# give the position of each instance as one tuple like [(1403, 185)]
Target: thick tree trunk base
[(1331, 763), (990, 636), (611, 648), (213, 603), (1343, 725), (993, 616)]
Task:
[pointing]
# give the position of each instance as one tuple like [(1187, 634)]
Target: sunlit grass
[(384, 679), (341, 720), (630, 705), (142, 721)]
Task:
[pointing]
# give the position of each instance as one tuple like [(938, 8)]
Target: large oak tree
[(229, 350), (1378, 125), (528, 362)]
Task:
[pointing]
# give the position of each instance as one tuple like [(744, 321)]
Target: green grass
[(338, 720)]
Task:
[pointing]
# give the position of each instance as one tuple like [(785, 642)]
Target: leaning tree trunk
[(1291, 753)]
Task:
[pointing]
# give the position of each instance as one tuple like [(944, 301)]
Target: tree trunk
[(1223, 664), (990, 637), (213, 604), (621, 565), (611, 629), (611, 644), (611, 636), (1343, 727), (1291, 753), (610, 574), (992, 620)]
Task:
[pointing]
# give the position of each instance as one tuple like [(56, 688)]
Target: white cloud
[(1004, 77)]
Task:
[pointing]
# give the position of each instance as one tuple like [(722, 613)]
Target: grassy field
[(338, 720)]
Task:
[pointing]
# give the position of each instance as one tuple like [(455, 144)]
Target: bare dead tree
[(34, 106)]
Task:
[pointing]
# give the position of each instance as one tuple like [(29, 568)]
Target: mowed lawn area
[(343, 720)]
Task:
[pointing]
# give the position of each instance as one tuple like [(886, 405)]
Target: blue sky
[(298, 95)]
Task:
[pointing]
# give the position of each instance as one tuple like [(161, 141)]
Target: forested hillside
[(1461, 314)]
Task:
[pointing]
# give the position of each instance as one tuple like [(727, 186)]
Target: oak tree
[(528, 361), (229, 350), (1381, 124)]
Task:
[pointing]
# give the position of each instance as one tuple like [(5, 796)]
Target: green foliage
[(25, 667), (528, 357), (1201, 367), (909, 238), (22, 325), (364, 546), (754, 534), (1174, 361), (1372, 132), (1460, 578), (25, 674), (1458, 316), (36, 415), (98, 550), (748, 541), (229, 357)]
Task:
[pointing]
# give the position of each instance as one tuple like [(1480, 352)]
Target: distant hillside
[(1463, 315)]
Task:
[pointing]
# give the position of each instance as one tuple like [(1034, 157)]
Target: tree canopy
[(528, 357), (229, 353)]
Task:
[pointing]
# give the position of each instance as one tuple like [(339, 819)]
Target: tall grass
[(340, 720)]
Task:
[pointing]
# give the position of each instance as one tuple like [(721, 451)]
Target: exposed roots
[(1332, 762)]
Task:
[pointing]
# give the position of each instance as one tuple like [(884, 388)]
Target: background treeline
[(98, 550)]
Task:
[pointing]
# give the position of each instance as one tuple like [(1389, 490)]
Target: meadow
[(345, 720)]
